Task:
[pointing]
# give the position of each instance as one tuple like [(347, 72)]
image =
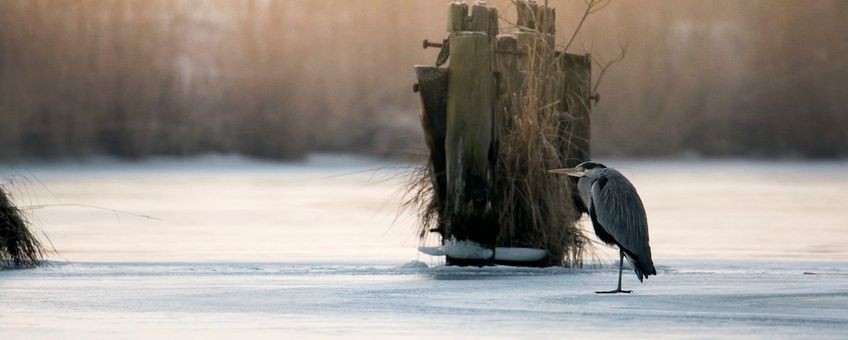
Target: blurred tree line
[(279, 79)]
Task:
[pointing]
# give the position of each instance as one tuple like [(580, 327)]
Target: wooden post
[(470, 122), (457, 14), (433, 90), (576, 126), (536, 45), (577, 70), (526, 15), (535, 18), (467, 107), (509, 81)]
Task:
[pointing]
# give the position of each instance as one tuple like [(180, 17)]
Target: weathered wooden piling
[(433, 89), (576, 124), (470, 124), (509, 81), (468, 107), (576, 104)]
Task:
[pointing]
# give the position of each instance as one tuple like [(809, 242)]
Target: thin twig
[(592, 6), (115, 211), (606, 65)]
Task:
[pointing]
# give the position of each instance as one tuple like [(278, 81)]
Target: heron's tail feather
[(643, 267)]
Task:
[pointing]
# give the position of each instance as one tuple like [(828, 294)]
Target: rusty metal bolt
[(428, 44)]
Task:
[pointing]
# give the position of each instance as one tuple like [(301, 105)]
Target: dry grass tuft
[(19, 247), (420, 197), (535, 207)]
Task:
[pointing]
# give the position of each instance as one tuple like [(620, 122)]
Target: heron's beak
[(570, 172)]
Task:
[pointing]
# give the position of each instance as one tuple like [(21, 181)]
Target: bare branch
[(592, 6), (622, 47)]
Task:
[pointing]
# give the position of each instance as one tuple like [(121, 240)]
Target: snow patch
[(466, 250), (470, 250)]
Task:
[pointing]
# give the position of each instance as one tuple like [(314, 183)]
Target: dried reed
[(19, 247)]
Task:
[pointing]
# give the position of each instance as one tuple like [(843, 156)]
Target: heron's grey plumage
[(618, 210), (584, 186)]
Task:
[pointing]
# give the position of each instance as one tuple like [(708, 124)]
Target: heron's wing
[(620, 212)]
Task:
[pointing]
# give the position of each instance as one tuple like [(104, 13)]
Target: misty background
[(281, 79)]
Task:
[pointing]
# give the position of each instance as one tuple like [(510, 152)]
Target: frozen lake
[(243, 248)]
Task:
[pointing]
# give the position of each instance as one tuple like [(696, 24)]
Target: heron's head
[(586, 169)]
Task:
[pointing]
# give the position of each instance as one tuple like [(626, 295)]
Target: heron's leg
[(620, 270), (620, 267)]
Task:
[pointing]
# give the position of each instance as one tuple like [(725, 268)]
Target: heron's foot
[(617, 291)]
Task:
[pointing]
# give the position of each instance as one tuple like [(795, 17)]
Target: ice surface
[(247, 249), (266, 300)]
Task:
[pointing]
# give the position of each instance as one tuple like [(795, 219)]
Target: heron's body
[(617, 213)]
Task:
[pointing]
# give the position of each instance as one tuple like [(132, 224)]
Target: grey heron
[(618, 216)]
